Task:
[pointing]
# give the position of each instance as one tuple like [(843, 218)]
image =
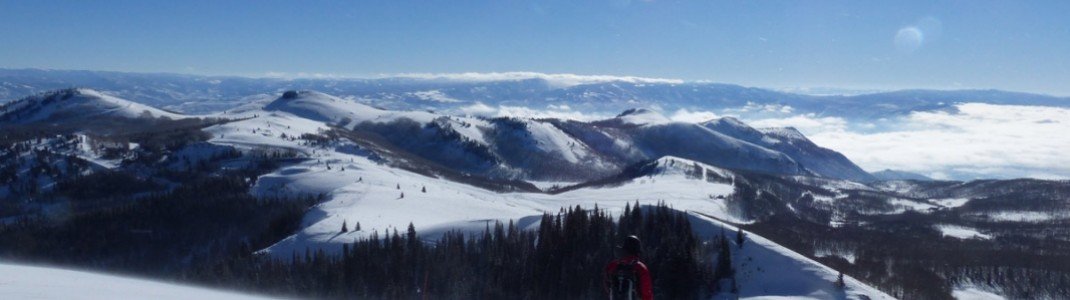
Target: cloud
[(558, 112), (560, 80), (560, 107), (478, 109), (976, 141), (434, 96), (684, 115), (806, 123), (752, 107)]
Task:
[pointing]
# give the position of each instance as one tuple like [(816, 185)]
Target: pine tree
[(739, 237), (344, 228), (357, 228), (399, 186), (840, 283), (423, 189), (724, 261)]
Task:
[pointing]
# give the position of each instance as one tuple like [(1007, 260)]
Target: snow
[(329, 109), (550, 139), (359, 189), (787, 134), (1025, 216), (951, 202), (372, 197), (847, 254), (766, 270), (961, 232), (32, 282), (904, 205), (369, 193), (435, 96), (974, 293), (549, 185), (86, 103), (470, 128)]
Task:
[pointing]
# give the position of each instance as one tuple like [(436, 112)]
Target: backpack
[(625, 282)]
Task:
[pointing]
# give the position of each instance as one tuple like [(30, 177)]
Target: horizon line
[(559, 79)]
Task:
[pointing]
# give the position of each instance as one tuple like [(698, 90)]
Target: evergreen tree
[(724, 261), (739, 237), (344, 228)]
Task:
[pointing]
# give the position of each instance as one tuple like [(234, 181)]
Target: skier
[(627, 278)]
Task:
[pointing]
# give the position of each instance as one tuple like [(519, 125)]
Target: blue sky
[(1013, 45)]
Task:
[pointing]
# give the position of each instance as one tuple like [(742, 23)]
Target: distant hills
[(202, 94)]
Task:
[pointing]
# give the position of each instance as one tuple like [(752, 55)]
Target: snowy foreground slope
[(29, 282)]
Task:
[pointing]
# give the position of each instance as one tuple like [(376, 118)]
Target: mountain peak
[(785, 133), (321, 107)]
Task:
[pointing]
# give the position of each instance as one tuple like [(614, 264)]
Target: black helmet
[(631, 245)]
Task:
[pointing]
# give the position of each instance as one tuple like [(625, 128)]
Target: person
[(627, 278)]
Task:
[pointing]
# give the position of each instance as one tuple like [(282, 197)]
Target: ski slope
[(43, 283)]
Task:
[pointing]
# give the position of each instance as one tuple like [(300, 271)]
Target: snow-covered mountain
[(541, 149), (386, 169), (202, 94), (75, 105), (793, 143)]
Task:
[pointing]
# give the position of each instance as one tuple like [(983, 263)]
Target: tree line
[(563, 259)]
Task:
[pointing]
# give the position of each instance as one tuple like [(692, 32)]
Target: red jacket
[(646, 288)]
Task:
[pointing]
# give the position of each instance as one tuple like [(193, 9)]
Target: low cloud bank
[(563, 112), (976, 141)]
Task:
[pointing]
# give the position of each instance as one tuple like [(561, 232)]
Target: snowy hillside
[(382, 199), (43, 283), (76, 104), (381, 170), (528, 149), (790, 141), (766, 270)]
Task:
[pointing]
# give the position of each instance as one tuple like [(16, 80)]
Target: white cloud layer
[(560, 80), (683, 115), (563, 112), (978, 141), (805, 123)]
